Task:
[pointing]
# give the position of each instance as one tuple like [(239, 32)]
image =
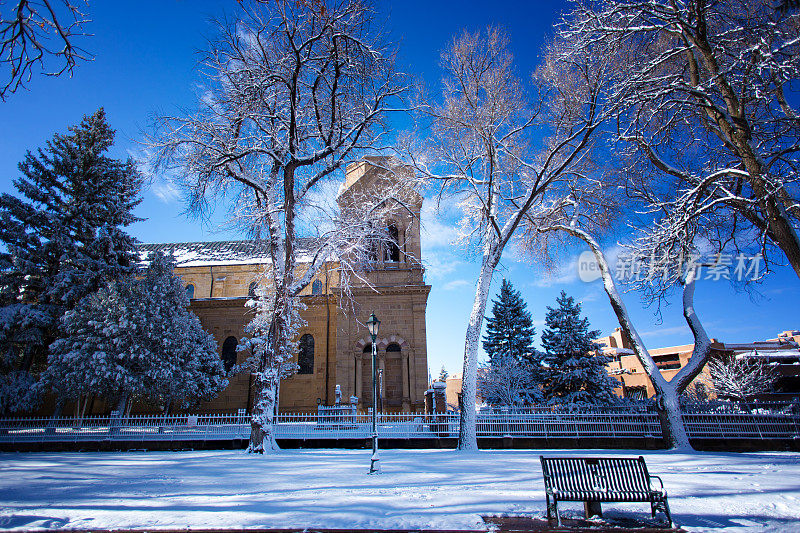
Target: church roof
[(245, 252)]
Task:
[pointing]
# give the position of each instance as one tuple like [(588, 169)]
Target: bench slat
[(612, 479)]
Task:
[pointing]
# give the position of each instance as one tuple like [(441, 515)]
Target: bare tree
[(33, 33), (294, 90), (505, 381), (712, 143), (740, 378), (498, 145)]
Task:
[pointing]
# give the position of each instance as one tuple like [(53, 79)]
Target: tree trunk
[(784, 234), (467, 436), (51, 426), (262, 436), (114, 423), (672, 427)]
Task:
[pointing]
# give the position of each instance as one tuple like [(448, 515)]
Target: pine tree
[(443, 374), (63, 238), (510, 331), (575, 372), (136, 338)]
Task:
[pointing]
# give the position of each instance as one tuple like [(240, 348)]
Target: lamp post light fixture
[(373, 324)]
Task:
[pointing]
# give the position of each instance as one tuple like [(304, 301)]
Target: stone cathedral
[(333, 347)]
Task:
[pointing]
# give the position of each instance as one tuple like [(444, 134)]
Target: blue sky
[(145, 63)]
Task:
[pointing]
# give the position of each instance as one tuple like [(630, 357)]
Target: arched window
[(392, 248), (367, 348), (251, 291), (394, 347), (229, 352), (316, 287), (190, 291), (305, 357)]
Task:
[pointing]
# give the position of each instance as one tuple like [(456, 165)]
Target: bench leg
[(549, 508), (591, 509), (666, 512), (552, 509), (663, 506)]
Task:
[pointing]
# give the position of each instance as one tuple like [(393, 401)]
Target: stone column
[(414, 393), (404, 367)]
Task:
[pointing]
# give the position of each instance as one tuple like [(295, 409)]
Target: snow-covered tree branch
[(740, 378), (708, 140), (506, 381), (667, 392), (35, 32)]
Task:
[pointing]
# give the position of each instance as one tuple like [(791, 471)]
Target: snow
[(713, 492)]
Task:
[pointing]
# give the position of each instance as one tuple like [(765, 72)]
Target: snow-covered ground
[(720, 492)]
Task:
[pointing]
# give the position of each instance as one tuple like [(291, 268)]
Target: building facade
[(782, 352), (334, 346)]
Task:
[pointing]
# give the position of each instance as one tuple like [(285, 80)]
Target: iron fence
[(628, 422)]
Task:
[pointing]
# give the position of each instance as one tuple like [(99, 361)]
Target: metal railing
[(522, 423)]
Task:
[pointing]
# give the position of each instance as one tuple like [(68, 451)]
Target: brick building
[(334, 347)]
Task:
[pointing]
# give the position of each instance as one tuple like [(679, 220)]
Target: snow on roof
[(617, 351), (245, 252), (783, 354)]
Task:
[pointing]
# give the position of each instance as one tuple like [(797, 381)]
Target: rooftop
[(190, 254)]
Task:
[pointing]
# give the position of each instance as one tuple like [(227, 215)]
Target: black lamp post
[(373, 324)]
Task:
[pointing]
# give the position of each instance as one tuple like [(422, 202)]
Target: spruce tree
[(510, 331), (136, 338), (443, 374), (575, 372), (62, 237)]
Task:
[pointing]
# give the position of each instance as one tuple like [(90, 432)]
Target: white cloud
[(439, 227), (439, 265), (590, 297), (166, 191), (456, 283)]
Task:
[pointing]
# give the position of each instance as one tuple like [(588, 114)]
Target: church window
[(392, 248), (394, 347), (251, 291), (316, 287), (190, 291), (305, 358), (229, 352)]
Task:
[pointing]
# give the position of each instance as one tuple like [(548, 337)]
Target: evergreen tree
[(62, 239), (575, 372), (443, 374), (510, 331), (136, 338)]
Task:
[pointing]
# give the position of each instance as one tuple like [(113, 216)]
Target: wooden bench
[(593, 480)]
